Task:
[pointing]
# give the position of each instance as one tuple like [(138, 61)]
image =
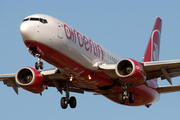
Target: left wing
[(164, 69), (154, 69)]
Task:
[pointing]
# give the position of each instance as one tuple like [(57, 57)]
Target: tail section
[(152, 51)]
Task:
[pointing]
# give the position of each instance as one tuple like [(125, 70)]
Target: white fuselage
[(65, 39)]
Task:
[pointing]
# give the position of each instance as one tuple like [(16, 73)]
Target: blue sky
[(121, 26)]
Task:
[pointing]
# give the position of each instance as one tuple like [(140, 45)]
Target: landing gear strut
[(39, 64), (35, 53), (66, 100), (125, 95)]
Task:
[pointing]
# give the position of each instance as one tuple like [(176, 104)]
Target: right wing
[(9, 80), (52, 77)]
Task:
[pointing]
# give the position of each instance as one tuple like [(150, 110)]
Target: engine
[(130, 71), (30, 79)]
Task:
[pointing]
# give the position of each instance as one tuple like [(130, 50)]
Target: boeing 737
[(81, 65)]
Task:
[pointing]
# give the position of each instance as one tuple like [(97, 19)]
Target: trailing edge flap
[(168, 89), (164, 69)]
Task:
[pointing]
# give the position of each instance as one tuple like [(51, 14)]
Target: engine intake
[(30, 79), (125, 67), (24, 76), (130, 71)]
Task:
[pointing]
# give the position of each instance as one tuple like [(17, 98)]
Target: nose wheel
[(39, 64)]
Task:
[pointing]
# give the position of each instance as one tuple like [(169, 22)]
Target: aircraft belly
[(143, 95)]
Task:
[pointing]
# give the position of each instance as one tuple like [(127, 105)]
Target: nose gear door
[(59, 31)]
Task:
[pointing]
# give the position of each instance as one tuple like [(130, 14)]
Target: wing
[(52, 77), (155, 69), (164, 69), (9, 80)]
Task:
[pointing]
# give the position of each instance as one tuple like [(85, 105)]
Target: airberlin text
[(83, 41)]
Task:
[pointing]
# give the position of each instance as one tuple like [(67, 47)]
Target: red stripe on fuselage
[(143, 94)]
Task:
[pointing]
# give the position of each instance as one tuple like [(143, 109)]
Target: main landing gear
[(125, 95), (66, 100)]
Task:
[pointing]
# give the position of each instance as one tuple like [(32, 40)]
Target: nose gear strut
[(39, 64), (37, 52)]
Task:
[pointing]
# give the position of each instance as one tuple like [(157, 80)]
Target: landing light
[(71, 78), (89, 76)]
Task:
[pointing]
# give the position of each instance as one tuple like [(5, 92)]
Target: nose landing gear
[(37, 52), (39, 64)]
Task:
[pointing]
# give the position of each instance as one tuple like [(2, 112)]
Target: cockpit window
[(34, 19), (44, 21), (26, 19)]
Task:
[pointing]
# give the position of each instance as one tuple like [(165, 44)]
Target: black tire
[(131, 97), (64, 103), (37, 65), (72, 102), (41, 65), (121, 99)]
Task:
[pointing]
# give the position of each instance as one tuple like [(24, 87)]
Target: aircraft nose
[(27, 31)]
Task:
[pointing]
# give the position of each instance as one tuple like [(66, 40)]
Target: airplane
[(82, 65)]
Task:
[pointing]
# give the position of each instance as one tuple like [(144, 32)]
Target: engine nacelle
[(130, 71), (30, 79)]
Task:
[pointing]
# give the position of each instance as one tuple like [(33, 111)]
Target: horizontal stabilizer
[(168, 89)]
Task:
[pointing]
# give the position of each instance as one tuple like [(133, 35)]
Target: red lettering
[(71, 34), (90, 42), (87, 44), (75, 36), (67, 31), (95, 49), (100, 51), (81, 41)]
